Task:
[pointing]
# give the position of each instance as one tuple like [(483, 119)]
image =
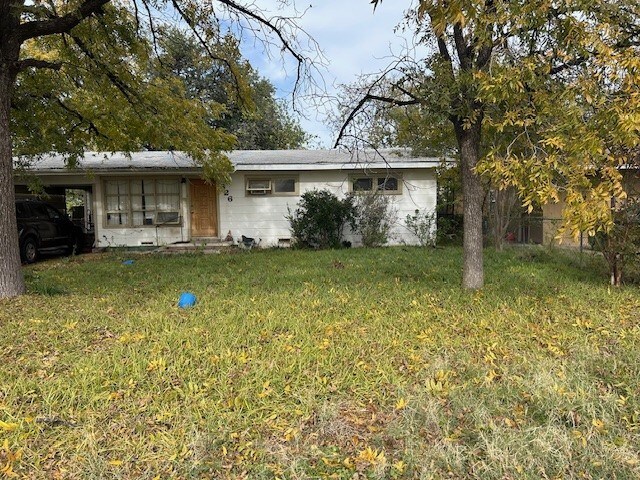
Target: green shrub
[(621, 245), (374, 219), (319, 219), (423, 226)]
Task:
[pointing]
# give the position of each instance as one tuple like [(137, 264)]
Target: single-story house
[(159, 198), (552, 212)]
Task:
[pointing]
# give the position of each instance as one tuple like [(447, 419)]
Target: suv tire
[(29, 250)]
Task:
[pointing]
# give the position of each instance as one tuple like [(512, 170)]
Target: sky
[(354, 39)]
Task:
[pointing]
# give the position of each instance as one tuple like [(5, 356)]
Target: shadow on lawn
[(37, 285), (540, 271), (516, 271)]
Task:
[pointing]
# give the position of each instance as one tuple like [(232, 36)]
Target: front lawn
[(337, 364)]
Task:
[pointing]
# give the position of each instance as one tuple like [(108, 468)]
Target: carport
[(76, 200)]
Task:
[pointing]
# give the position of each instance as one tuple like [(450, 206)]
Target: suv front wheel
[(29, 250)]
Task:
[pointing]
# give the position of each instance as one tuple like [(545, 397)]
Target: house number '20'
[(229, 197)]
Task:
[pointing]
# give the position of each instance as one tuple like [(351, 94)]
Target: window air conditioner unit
[(258, 187)]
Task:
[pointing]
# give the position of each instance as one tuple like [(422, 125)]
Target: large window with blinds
[(142, 202)]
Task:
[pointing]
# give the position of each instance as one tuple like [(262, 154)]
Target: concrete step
[(197, 245)]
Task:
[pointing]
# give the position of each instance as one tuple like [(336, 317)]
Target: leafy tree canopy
[(547, 92), (63, 109), (252, 113), (186, 98)]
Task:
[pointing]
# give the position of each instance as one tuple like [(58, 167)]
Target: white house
[(158, 198)]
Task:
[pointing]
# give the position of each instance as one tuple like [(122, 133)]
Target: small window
[(380, 183), (258, 186), (272, 186), (388, 184), (363, 185), (284, 185)]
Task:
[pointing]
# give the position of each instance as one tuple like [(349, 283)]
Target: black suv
[(43, 228)]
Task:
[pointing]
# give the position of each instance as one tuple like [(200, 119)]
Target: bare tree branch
[(286, 45), (405, 91), (205, 45), (35, 63), (113, 78), (91, 127), (444, 50), (63, 24), (369, 97), (464, 51), (278, 31), (565, 66), (151, 26)]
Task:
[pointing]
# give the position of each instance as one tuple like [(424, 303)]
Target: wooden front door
[(204, 209)]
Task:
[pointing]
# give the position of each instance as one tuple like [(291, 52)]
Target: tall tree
[(252, 113), (90, 47), (109, 59), (558, 78)]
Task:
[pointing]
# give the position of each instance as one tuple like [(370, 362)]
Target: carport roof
[(243, 160)]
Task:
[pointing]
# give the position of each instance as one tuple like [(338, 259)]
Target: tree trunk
[(500, 217), (11, 280), (616, 270), (473, 196)]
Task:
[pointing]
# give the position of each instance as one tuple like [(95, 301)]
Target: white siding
[(264, 217), (261, 217)]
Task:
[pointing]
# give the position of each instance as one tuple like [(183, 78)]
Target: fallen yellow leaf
[(8, 427)]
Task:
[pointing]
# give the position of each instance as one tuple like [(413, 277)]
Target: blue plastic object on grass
[(128, 262), (187, 299)]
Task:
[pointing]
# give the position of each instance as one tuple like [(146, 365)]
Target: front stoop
[(204, 245)]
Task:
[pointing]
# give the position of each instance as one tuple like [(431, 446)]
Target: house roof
[(243, 160)]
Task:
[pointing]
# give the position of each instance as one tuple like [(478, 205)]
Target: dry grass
[(291, 367)]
